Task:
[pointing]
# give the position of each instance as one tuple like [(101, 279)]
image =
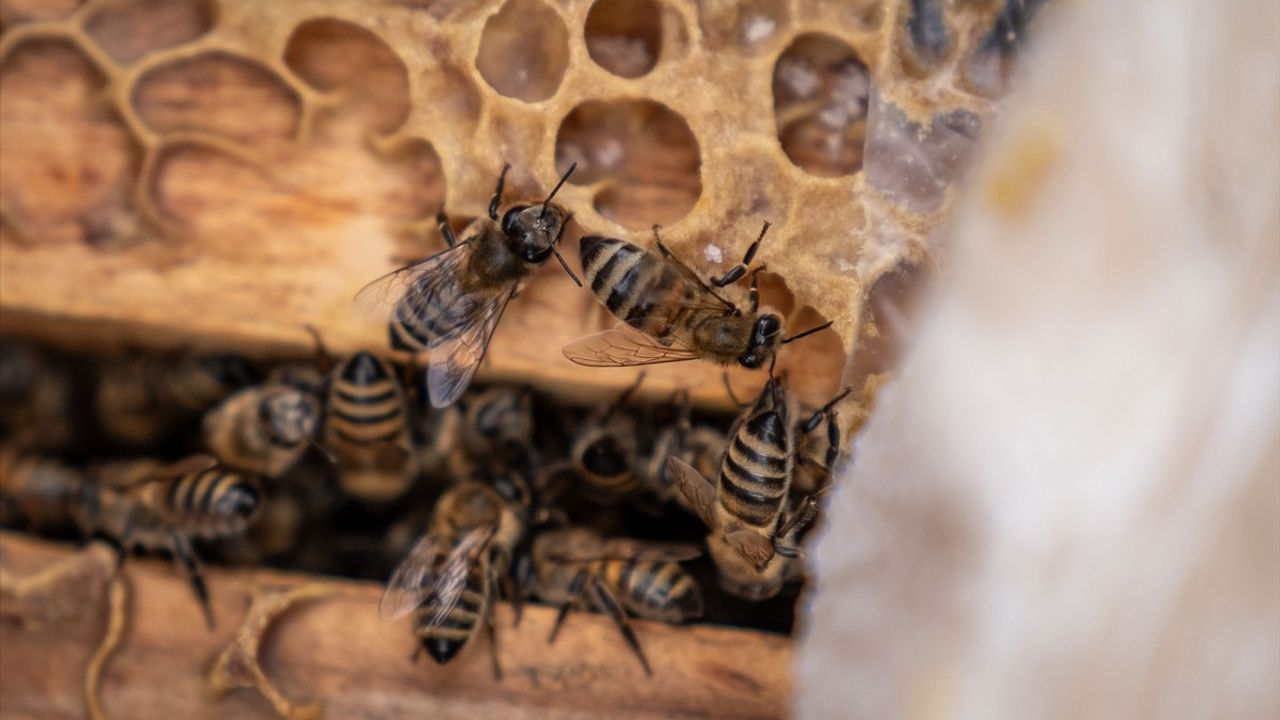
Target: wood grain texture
[(336, 650)]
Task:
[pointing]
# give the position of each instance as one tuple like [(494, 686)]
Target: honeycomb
[(236, 168)]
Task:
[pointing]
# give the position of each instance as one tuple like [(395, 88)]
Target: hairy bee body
[(443, 639), (653, 589), (669, 312), (638, 287), (124, 503), (755, 474), (366, 429), (263, 429)]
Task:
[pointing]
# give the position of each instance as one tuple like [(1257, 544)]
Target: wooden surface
[(198, 197), (337, 651)]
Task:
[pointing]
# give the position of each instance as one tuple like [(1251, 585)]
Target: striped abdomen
[(755, 473), (366, 403), (653, 590), (435, 307), (212, 503), (444, 640), (637, 286)]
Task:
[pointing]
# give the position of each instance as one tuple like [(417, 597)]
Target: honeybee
[(697, 445), (498, 425), (139, 400), (747, 509), (618, 576), (605, 452), (452, 573), (263, 429), (669, 313), (36, 391), (135, 503), (449, 304), (816, 453), (366, 429)]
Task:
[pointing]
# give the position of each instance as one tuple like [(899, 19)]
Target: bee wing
[(751, 545), (624, 346), (185, 466), (453, 577), (695, 488), (628, 549), (454, 361), (412, 582), (407, 282)]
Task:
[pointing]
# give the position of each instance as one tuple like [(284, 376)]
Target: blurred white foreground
[(1068, 504)]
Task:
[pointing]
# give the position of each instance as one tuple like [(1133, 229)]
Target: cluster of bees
[(475, 494)]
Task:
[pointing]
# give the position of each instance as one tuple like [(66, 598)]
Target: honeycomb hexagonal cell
[(820, 92), (637, 188), (128, 30), (625, 36), (524, 50), (342, 124)]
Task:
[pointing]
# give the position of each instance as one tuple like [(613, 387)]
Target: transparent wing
[(695, 488), (453, 362), (751, 545), (453, 576), (417, 283), (413, 580), (624, 346), (628, 549)]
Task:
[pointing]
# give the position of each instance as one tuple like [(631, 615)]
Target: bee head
[(533, 230), (765, 336), (289, 416)]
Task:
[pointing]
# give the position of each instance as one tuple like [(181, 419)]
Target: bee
[(747, 509), (263, 429), (669, 313), (36, 391), (618, 576), (451, 575), (700, 446), (449, 304), (816, 453), (605, 450), (497, 427), (139, 400), (366, 429), (135, 503)]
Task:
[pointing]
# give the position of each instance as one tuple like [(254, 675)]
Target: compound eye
[(510, 219)]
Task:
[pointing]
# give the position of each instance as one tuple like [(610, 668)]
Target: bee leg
[(445, 231), (728, 388), (413, 657), (690, 272), (522, 580), (493, 633), (496, 201), (610, 604), (185, 556), (625, 396), (736, 272), (575, 590)]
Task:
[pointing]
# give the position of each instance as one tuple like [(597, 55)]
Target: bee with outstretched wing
[(449, 305), (669, 313)]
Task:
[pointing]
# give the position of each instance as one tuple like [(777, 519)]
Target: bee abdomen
[(212, 502), (365, 405), (630, 282), (660, 591)]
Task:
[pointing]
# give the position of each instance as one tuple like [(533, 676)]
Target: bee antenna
[(565, 265), (809, 332), (556, 189)]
